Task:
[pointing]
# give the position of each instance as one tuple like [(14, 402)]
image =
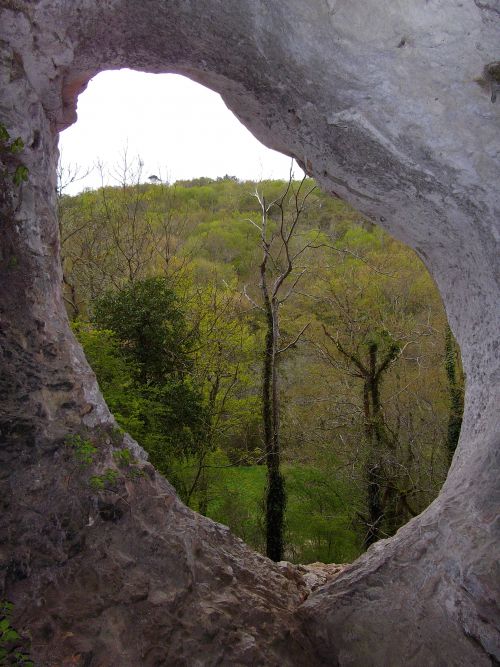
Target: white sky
[(179, 129)]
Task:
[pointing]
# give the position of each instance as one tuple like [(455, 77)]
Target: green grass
[(236, 500), (319, 521)]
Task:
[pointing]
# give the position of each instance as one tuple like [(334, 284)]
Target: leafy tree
[(151, 334), (381, 352), (147, 318), (380, 335), (224, 351)]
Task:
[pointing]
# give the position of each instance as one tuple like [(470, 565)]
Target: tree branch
[(294, 341)]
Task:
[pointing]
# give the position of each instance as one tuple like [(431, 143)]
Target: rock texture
[(312, 576), (388, 103)]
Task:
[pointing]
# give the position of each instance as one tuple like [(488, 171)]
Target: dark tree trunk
[(275, 493), (71, 300), (273, 297), (456, 396), (203, 493), (371, 399), (383, 498)]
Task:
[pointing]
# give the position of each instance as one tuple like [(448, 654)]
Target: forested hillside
[(164, 286)]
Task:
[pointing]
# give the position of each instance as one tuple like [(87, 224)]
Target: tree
[(118, 234), (279, 275), (148, 323), (455, 390), (223, 354), (381, 352), (130, 237), (377, 323), (67, 174)]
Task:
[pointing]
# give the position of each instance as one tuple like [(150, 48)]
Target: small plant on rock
[(83, 450), (9, 149), (124, 457), (107, 479), (12, 645)]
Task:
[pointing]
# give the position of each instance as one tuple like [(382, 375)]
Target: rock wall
[(388, 103)]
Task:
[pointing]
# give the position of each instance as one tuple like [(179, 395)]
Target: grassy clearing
[(319, 525)]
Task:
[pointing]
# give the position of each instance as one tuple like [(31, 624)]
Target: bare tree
[(117, 235), (371, 371), (67, 174), (366, 348), (126, 219), (280, 273)]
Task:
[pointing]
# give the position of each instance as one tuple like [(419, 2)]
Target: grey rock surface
[(389, 105)]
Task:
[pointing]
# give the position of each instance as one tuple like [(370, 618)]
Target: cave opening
[(371, 385)]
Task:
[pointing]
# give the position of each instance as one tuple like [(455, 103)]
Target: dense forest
[(264, 338)]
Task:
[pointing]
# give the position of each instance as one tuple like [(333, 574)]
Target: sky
[(178, 128)]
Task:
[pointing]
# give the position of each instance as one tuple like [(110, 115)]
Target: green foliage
[(16, 146), (236, 499), (319, 516), (145, 316), (13, 649), (20, 174), (176, 350), (83, 450), (232, 242), (455, 390), (144, 366), (116, 375), (9, 150), (108, 479), (319, 522), (124, 457)]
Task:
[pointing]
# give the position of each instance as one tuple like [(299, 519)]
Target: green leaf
[(10, 635), (20, 175), (4, 135), (97, 482), (17, 145)]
